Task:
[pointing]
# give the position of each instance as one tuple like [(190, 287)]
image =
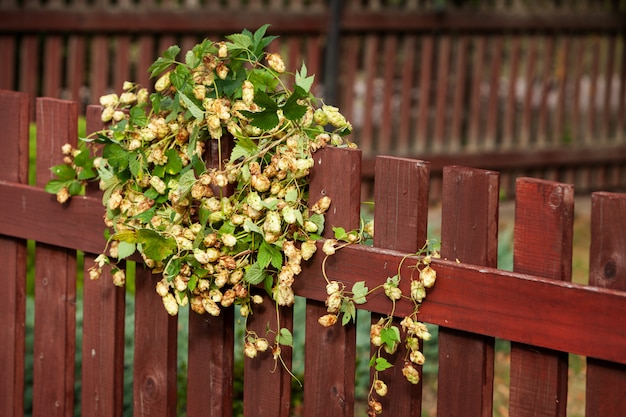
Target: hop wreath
[(215, 230)]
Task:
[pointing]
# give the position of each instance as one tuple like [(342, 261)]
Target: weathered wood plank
[(330, 389), (544, 218), (103, 329), (606, 382), (154, 365), (401, 216), (55, 278), (469, 232), (14, 115)]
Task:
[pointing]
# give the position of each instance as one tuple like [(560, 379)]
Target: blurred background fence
[(535, 87)]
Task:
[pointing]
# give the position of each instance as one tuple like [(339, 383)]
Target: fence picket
[(55, 278), (606, 382), (14, 160), (544, 215), (102, 389), (330, 355), (401, 213), (469, 232), (154, 372)]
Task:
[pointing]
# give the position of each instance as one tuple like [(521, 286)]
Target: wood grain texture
[(14, 163), (330, 355), (102, 389), (400, 218), (469, 232), (606, 382), (55, 278), (543, 236)]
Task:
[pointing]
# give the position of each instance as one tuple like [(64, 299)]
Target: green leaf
[(134, 163), (318, 219), (254, 274), (284, 337), (138, 116), (116, 156), (54, 186), (196, 111), (76, 188), (380, 364), (340, 233), (265, 119), (291, 109), (291, 195), (390, 336), (86, 174), (163, 62), (269, 254), (302, 80), (64, 172), (239, 41), (250, 226), (174, 163), (263, 100), (154, 245), (125, 249), (244, 147), (186, 181), (83, 159), (349, 312), (359, 291)]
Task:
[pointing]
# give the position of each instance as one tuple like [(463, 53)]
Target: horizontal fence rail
[(536, 306)]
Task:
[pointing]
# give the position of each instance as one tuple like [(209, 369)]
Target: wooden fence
[(536, 307), (525, 87)]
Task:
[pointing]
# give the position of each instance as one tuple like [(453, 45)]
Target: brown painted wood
[(608, 89), (7, 54), (594, 46), (385, 138), (77, 53), (55, 278), (330, 356), (441, 95), (102, 376), (408, 68), (459, 93), (475, 110), (366, 136), (121, 65), (52, 47), (527, 111), (425, 80), (505, 307), (98, 68), (14, 115), (494, 89), (547, 58), (267, 384), (400, 216), (211, 362), (469, 232), (510, 112), (563, 78), (154, 370), (606, 382), (621, 110), (29, 58), (544, 218)]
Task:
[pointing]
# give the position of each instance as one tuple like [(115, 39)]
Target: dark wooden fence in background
[(525, 87), (536, 307)]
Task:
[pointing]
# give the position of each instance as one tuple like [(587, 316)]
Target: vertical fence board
[(210, 359), (606, 382), (386, 133), (621, 107), (401, 214), (441, 100), (55, 278), (330, 355), (475, 104), (494, 90), (605, 133), (426, 68), (14, 117), (546, 81), (469, 232), (154, 373), (511, 104), (76, 63), (103, 329), (99, 66), (544, 213), (366, 139), (459, 94), (7, 54), (53, 45), (527, 112), (267, 384), (211, 339), (408, 67)]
